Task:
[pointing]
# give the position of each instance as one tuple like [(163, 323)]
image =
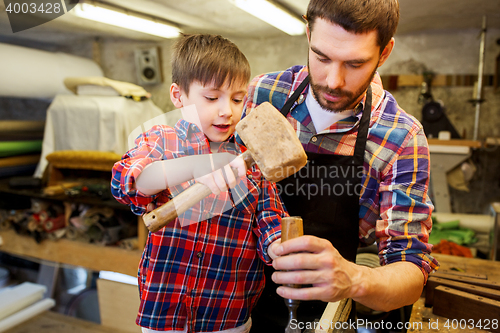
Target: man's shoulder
[(279, 79), (275, 87), (391, 117)]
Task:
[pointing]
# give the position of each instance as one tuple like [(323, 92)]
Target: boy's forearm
[(160, 175)]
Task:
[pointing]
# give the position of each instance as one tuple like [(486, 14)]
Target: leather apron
[(325, 193)]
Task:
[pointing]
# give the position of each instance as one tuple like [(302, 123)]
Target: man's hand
[(318, 264), (272, 248), (334, 278)]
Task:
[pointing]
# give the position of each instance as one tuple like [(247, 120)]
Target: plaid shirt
[(207, 274), (395, 209)]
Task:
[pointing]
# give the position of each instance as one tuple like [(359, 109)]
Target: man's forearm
[(388, 287)]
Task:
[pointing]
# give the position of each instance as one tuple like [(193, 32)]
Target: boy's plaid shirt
[(395, 209), (209, 273)]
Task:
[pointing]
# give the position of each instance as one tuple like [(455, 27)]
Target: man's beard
[(349, 103)]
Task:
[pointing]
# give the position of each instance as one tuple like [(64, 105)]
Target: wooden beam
[(434, 282), (467, 308), (90, 256), (477, 282)]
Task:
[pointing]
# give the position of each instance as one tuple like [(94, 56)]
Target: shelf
[(90, 256), (89, 200)]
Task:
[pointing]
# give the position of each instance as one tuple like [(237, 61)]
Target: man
[(368, 171)]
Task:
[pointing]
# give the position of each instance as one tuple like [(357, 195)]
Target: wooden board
[(424, 321), (434, 282), (90, 256), (467, 308), (118, 305), (52, 322), (493, 284), (470, 265)]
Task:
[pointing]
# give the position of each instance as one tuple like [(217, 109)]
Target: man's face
[(342, 64)]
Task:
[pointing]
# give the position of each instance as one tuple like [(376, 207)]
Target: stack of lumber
[(466, 293)]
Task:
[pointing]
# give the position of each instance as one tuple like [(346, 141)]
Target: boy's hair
[(208, 59), (358, 16)]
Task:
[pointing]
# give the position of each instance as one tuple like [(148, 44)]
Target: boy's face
[(218, 109)]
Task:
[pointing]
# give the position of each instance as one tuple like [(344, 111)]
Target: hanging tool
[(291, 227)]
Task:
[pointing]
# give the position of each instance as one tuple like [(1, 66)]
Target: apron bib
[(325, 193)]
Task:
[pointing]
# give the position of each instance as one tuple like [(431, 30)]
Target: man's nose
[(336, 77)]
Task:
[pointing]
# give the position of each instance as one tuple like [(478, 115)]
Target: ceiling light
[(125, 20), (272, 15)]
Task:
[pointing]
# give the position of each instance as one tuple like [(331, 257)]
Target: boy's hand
[(222, 179)]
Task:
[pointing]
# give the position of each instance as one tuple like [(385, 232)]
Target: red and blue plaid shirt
[(207, 274), (395, 206)]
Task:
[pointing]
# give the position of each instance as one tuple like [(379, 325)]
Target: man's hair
[(208, 59), (358, 16)]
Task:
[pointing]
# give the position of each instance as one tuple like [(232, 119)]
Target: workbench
[(421, 316), (52, 322)]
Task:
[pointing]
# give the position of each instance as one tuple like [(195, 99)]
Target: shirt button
[(199, 255), (250, 176), (300, 99), (314, 139)]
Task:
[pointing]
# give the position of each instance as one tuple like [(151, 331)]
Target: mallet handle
[(163, 215)]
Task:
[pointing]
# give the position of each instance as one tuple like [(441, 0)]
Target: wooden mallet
[(271, 143)]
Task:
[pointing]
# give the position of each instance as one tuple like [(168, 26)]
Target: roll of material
[(26, 313), (476, 222), (30, 73)]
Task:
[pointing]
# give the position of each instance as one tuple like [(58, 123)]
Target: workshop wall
[(444, 53)]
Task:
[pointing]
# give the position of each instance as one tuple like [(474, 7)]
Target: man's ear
[(308, 32), (176, 95), (386, 52)]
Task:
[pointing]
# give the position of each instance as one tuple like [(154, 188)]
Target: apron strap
[(289, 103), (364, 124)]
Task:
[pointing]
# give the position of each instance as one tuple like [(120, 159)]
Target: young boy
[(203, 276)]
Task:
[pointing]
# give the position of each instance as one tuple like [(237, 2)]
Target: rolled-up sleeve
[(159, 143), (405, 208)]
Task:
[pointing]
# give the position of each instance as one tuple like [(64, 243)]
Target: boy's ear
[(176, 95)]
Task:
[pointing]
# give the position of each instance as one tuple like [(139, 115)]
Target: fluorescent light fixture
[(124, 20), (272, 15)]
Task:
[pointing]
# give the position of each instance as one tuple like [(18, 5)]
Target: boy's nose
[(225, 110)]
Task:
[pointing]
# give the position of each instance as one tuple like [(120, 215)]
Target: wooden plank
[(455, 142), (52, 322), (93, 257), (434, 282), (477, 282), (118, 305), (460, 305), (410, 80), (469, 275), (334, 312), (422, 320)]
